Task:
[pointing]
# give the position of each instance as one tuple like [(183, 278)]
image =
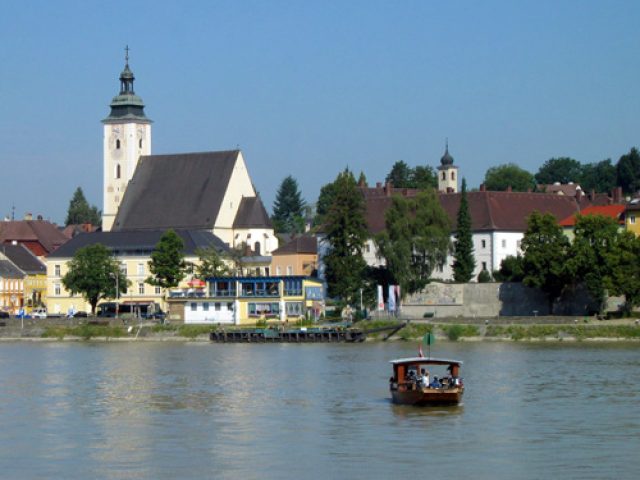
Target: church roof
[(138, 242), (181, 191), (252, 214)]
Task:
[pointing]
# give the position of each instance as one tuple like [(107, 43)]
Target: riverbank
[(535, 329)]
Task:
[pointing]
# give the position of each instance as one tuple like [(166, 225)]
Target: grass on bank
[(579, 332), (84, 331)]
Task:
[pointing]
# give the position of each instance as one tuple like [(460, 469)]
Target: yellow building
[(632, 216), (297, 257), (133, 251), (247, 300), (28, 291)]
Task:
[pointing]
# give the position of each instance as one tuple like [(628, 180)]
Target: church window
[(140, 143), (118, 144), (118, 171), (453, 175), (444, 176)]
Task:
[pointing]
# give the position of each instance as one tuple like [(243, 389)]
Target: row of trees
[(601, 257), (600, 176)]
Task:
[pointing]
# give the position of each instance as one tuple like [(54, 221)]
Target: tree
[(400, 175), (423, 177), (511, 269), (94, 273), (325, 200), (167, 264), (362, 180), (464, 262), (502, 177), (626, 270), (80, 212), (599, 177), (628, 171), (546, 250), (594, 254), (562, 169), (288, 208), (346, 233), (415, 239), (212, 264)]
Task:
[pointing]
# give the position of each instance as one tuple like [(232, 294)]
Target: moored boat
[(412, 383)]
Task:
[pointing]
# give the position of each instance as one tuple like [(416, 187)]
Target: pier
[(269, 335)]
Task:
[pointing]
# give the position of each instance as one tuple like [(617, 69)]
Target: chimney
[(387, 188), (483, 188), (28, 216)]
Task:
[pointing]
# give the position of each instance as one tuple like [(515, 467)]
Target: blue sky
[(308, 88)]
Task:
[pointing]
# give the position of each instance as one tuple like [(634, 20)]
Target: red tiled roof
[(302, 244), (40, 236), (506, 211), (612, 211)]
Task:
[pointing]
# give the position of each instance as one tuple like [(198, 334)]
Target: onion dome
[(446, 159)]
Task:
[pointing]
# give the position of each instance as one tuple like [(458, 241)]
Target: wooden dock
[(268, 335)]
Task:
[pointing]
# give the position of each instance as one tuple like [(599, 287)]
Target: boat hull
[(428, 396)]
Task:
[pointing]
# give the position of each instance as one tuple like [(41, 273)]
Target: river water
[(199, 410)]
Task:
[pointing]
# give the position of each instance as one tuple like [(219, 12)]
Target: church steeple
[(448, 172), (126, 105)]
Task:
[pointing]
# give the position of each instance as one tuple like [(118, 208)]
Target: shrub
[(484, 276)]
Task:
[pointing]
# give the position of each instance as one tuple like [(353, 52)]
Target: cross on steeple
[(126, 54)]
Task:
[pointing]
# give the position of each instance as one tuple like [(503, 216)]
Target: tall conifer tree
[(464, 261), (288, 208)]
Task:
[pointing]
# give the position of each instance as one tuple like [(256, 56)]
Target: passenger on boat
[(424, 378), (435, 383)]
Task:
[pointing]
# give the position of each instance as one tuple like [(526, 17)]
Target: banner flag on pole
[(380, 299)]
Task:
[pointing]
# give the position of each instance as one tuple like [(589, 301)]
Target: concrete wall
[(492, 300)]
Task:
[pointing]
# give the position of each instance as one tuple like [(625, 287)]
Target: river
[(198, 410)]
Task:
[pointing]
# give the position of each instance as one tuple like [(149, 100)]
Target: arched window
[(444, 175), (118, 170), (256, 248), (118, 144), (140, 143), (453, 175)]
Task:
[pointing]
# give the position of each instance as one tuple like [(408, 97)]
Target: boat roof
[(425, 361)]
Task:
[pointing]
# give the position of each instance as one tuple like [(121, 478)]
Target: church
[(208, 198)]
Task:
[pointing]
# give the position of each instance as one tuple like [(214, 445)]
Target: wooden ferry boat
[(409, 386)]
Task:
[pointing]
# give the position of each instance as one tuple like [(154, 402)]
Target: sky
[(309, 88)]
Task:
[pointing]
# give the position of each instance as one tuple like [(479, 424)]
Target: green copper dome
[(126, 106)]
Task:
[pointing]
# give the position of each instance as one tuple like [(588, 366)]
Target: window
[(118, 144), (367, 247), (158, 290), (56, 289), (441, 268), (484, 244), (123, 268), (484, 266), (632, 219), (56, 270), (289, 270), (194, 306), (278, 270), (230, 306), (294, 308), (140, 143), (217, 306), (504, 243), (453, 175), (118, 171), (205, 306), (256, 248), (141, 288), (141, 269), (444, 175), (293, 287)]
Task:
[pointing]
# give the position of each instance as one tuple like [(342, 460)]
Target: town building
[(34, 284), (247, 300), (41, 237), (11, 287), (299, 256), (615, 211)]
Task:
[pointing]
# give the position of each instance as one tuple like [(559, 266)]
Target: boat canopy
[(425, 361)]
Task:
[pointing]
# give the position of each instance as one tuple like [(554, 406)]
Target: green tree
[(167, 264), (594, 255), (502, 177), (562, 169), (511, 269), (599, 177), (325, 200), (288, 208), (628, 171), (94, 273), (546, 250), (415, 239), (423, 177), (362, 180), (346, 233), (484, 276), (625, 273), (464, 261), (211, 264), (80, 212), (400, 175)]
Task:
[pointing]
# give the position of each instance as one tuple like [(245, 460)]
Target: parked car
[(4, 314), (39, 313), (80, 314)]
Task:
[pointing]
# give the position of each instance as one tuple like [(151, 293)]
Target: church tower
[(447, 173), (127, 135)]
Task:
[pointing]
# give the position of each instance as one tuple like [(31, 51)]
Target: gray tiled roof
[(251, 213), (182, 191), (138, 242), (22, 257), (9, 270)]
